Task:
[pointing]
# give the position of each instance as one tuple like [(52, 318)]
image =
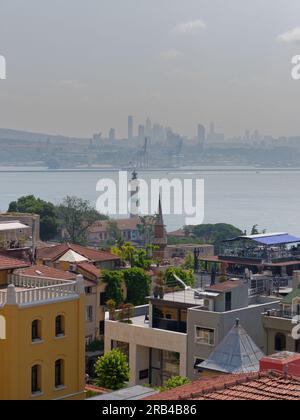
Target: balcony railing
[(35, 291), (286, 314), (170, 325), (260, 254)]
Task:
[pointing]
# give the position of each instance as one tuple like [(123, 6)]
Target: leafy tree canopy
[(76, 216), (187, 276), (46, 211), (115, 284), (112, 371), (138, 285)]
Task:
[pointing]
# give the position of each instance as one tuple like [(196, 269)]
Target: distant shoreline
[(143, 170)]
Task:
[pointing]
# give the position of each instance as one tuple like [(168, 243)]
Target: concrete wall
[(273, 326), (141, 339), (222, 323)]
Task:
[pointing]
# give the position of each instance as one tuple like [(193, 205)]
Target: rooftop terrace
[(27, 290)]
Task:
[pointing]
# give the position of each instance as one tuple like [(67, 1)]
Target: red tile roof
[(263, 386), (7, 263), (180, 233), (226, 285), (122, 224), (55, 252), (89, 268), (44, 271)]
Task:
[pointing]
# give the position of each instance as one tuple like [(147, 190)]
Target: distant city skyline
[(77, 68)]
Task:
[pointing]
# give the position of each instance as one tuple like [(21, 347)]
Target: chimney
[(296, 279), (287, 363)]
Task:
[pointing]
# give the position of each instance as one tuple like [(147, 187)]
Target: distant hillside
[(8, 134)]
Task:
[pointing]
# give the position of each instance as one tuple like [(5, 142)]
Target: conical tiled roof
[(72, 257), (237, 353)]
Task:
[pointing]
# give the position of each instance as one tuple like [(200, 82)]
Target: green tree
[(174, 382), (76, 216), (213, 233), (138, 285), (128, 254), (187, 276), (146, 228), (114, 233), (188, 263), (112, 371), (114, 289), (125, 252), (46, 211)]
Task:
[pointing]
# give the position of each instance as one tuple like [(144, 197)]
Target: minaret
[(160, 236)]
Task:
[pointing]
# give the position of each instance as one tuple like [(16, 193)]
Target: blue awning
[(277, 240), (269, 239)]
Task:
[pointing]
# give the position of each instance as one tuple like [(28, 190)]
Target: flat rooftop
[(183, 296)]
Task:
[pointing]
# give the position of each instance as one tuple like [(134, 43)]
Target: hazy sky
[(76, 67)]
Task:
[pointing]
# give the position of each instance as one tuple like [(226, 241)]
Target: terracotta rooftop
[(264, 386), (226, 285), (54, 252), (44, 271), (7, 263), (180, 233), (89, 268), (122, 224)]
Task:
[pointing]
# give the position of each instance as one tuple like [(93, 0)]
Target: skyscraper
[(141, 132), (201, 134), (112, 134), (148, 128), (130, 127)]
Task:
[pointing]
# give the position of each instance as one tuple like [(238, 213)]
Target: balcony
[(260, 253), (284, 314), (26, 290), (170, 325)]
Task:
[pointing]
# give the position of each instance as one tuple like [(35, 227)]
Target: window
[(59, 326), (36, 330), (88, 340), (197, 362), (35, 379), (59, 373), (280, 342), (101, 327), (89, 313), (228, 302), (2, 328), (205, 336), (103, 299), (88, 290)]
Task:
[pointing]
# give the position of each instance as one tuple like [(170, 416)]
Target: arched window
[(280, 342), (36, 379), (2, 328), (59, 326), (36, 330), (59, 373)]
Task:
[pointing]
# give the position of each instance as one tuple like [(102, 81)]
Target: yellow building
[(42, 333), (88, 262)]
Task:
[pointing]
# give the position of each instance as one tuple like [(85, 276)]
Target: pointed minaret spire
[(160, 219), (160, 235)]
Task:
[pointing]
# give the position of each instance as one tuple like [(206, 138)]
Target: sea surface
[(242, 197)]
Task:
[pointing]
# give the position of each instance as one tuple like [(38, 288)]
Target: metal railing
[(279, 313)]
